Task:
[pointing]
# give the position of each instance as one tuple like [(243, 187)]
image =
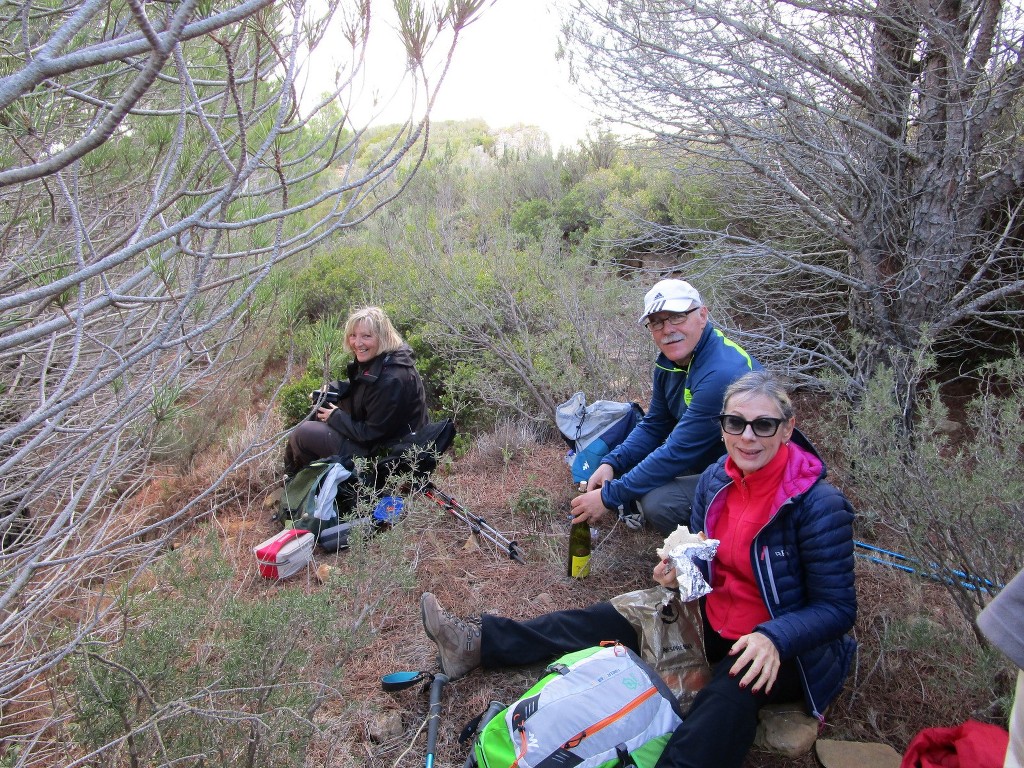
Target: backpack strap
[(625, 759), (325, 504), (415, 453)]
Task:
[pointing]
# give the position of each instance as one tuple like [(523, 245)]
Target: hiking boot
[(457, 641)]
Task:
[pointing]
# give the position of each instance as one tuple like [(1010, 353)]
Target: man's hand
[(602, 475), (759, 656), (588, 507)]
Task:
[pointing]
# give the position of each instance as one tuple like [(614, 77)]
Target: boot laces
[(471, 624)]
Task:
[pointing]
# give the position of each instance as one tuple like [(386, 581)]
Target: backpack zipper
[(605, 722), (766, 558)]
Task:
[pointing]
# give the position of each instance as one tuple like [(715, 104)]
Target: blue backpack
[(593, 430)]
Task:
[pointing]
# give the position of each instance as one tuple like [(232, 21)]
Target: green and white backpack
[(320, 494), (601, 707)]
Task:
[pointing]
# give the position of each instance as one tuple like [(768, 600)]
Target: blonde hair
[(760, 383), (375, 319)]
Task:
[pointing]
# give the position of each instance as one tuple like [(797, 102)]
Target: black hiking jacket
[(384, 401)]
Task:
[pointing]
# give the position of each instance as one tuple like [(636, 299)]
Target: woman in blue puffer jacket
[(782, 596)]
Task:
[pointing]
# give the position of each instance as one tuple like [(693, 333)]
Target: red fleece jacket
[(735, 606)]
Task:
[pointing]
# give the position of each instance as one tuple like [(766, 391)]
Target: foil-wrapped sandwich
[(682, 549)]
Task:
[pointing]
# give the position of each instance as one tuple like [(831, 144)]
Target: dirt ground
[(526, 500)]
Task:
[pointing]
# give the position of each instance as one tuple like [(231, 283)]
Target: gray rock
[(385, 726), (786, 729), (856, 754)]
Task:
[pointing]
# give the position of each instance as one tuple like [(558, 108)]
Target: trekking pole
[(492, 709), (910, 565), (476, 523), (434, 714)]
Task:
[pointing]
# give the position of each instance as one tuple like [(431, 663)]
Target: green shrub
[(534, 503), (201, 675), (951, 492), (530, 218), (335, 283), (461, 445), (511, 334), (322, 344), (294, 400)]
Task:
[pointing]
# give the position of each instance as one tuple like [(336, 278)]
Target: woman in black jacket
[(381, 402)]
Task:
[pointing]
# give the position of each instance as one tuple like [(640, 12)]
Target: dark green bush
[(336, 283), (530, 217), (294, 400)]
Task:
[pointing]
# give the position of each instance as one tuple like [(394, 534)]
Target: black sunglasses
[(763, 426)]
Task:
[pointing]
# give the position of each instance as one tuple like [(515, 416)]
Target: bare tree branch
[(873, 149), (159, 165)]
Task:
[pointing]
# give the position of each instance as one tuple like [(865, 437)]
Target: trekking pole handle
[(492, 709), (434, 714)]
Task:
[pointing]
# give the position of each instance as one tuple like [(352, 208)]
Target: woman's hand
[(665, 574), (757, 654), (323, 413)]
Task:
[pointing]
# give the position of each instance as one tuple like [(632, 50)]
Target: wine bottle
[(579, 546)]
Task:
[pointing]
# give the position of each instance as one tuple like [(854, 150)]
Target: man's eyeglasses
[(676, 318), (763, 426)]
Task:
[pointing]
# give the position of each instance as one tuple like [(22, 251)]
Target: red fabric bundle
[(971, 745)]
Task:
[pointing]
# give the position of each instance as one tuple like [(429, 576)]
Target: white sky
[(504, 72)]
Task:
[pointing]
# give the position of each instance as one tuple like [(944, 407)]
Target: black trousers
[(508, 643), (720, 728)]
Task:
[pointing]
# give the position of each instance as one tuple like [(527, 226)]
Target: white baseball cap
[(670, 296)]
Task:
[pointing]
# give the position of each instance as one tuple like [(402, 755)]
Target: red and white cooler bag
[(285, 554)]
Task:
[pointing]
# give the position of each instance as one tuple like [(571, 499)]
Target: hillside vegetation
[(495, 269), (183, 228)]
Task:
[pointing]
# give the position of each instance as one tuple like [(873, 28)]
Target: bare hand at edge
[(757, 654), (323, 413)]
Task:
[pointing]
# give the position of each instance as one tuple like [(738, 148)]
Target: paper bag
[(671, 638)]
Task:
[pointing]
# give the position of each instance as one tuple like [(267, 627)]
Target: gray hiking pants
[(668, 507)]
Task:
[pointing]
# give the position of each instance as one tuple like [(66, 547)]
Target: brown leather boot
[(457, 640)]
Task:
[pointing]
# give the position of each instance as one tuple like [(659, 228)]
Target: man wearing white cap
[(658, 464)]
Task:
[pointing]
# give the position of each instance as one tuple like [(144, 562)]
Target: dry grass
[(526, 500), (888, 698)]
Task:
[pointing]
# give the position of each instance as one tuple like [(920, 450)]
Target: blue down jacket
[(803, 562)]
